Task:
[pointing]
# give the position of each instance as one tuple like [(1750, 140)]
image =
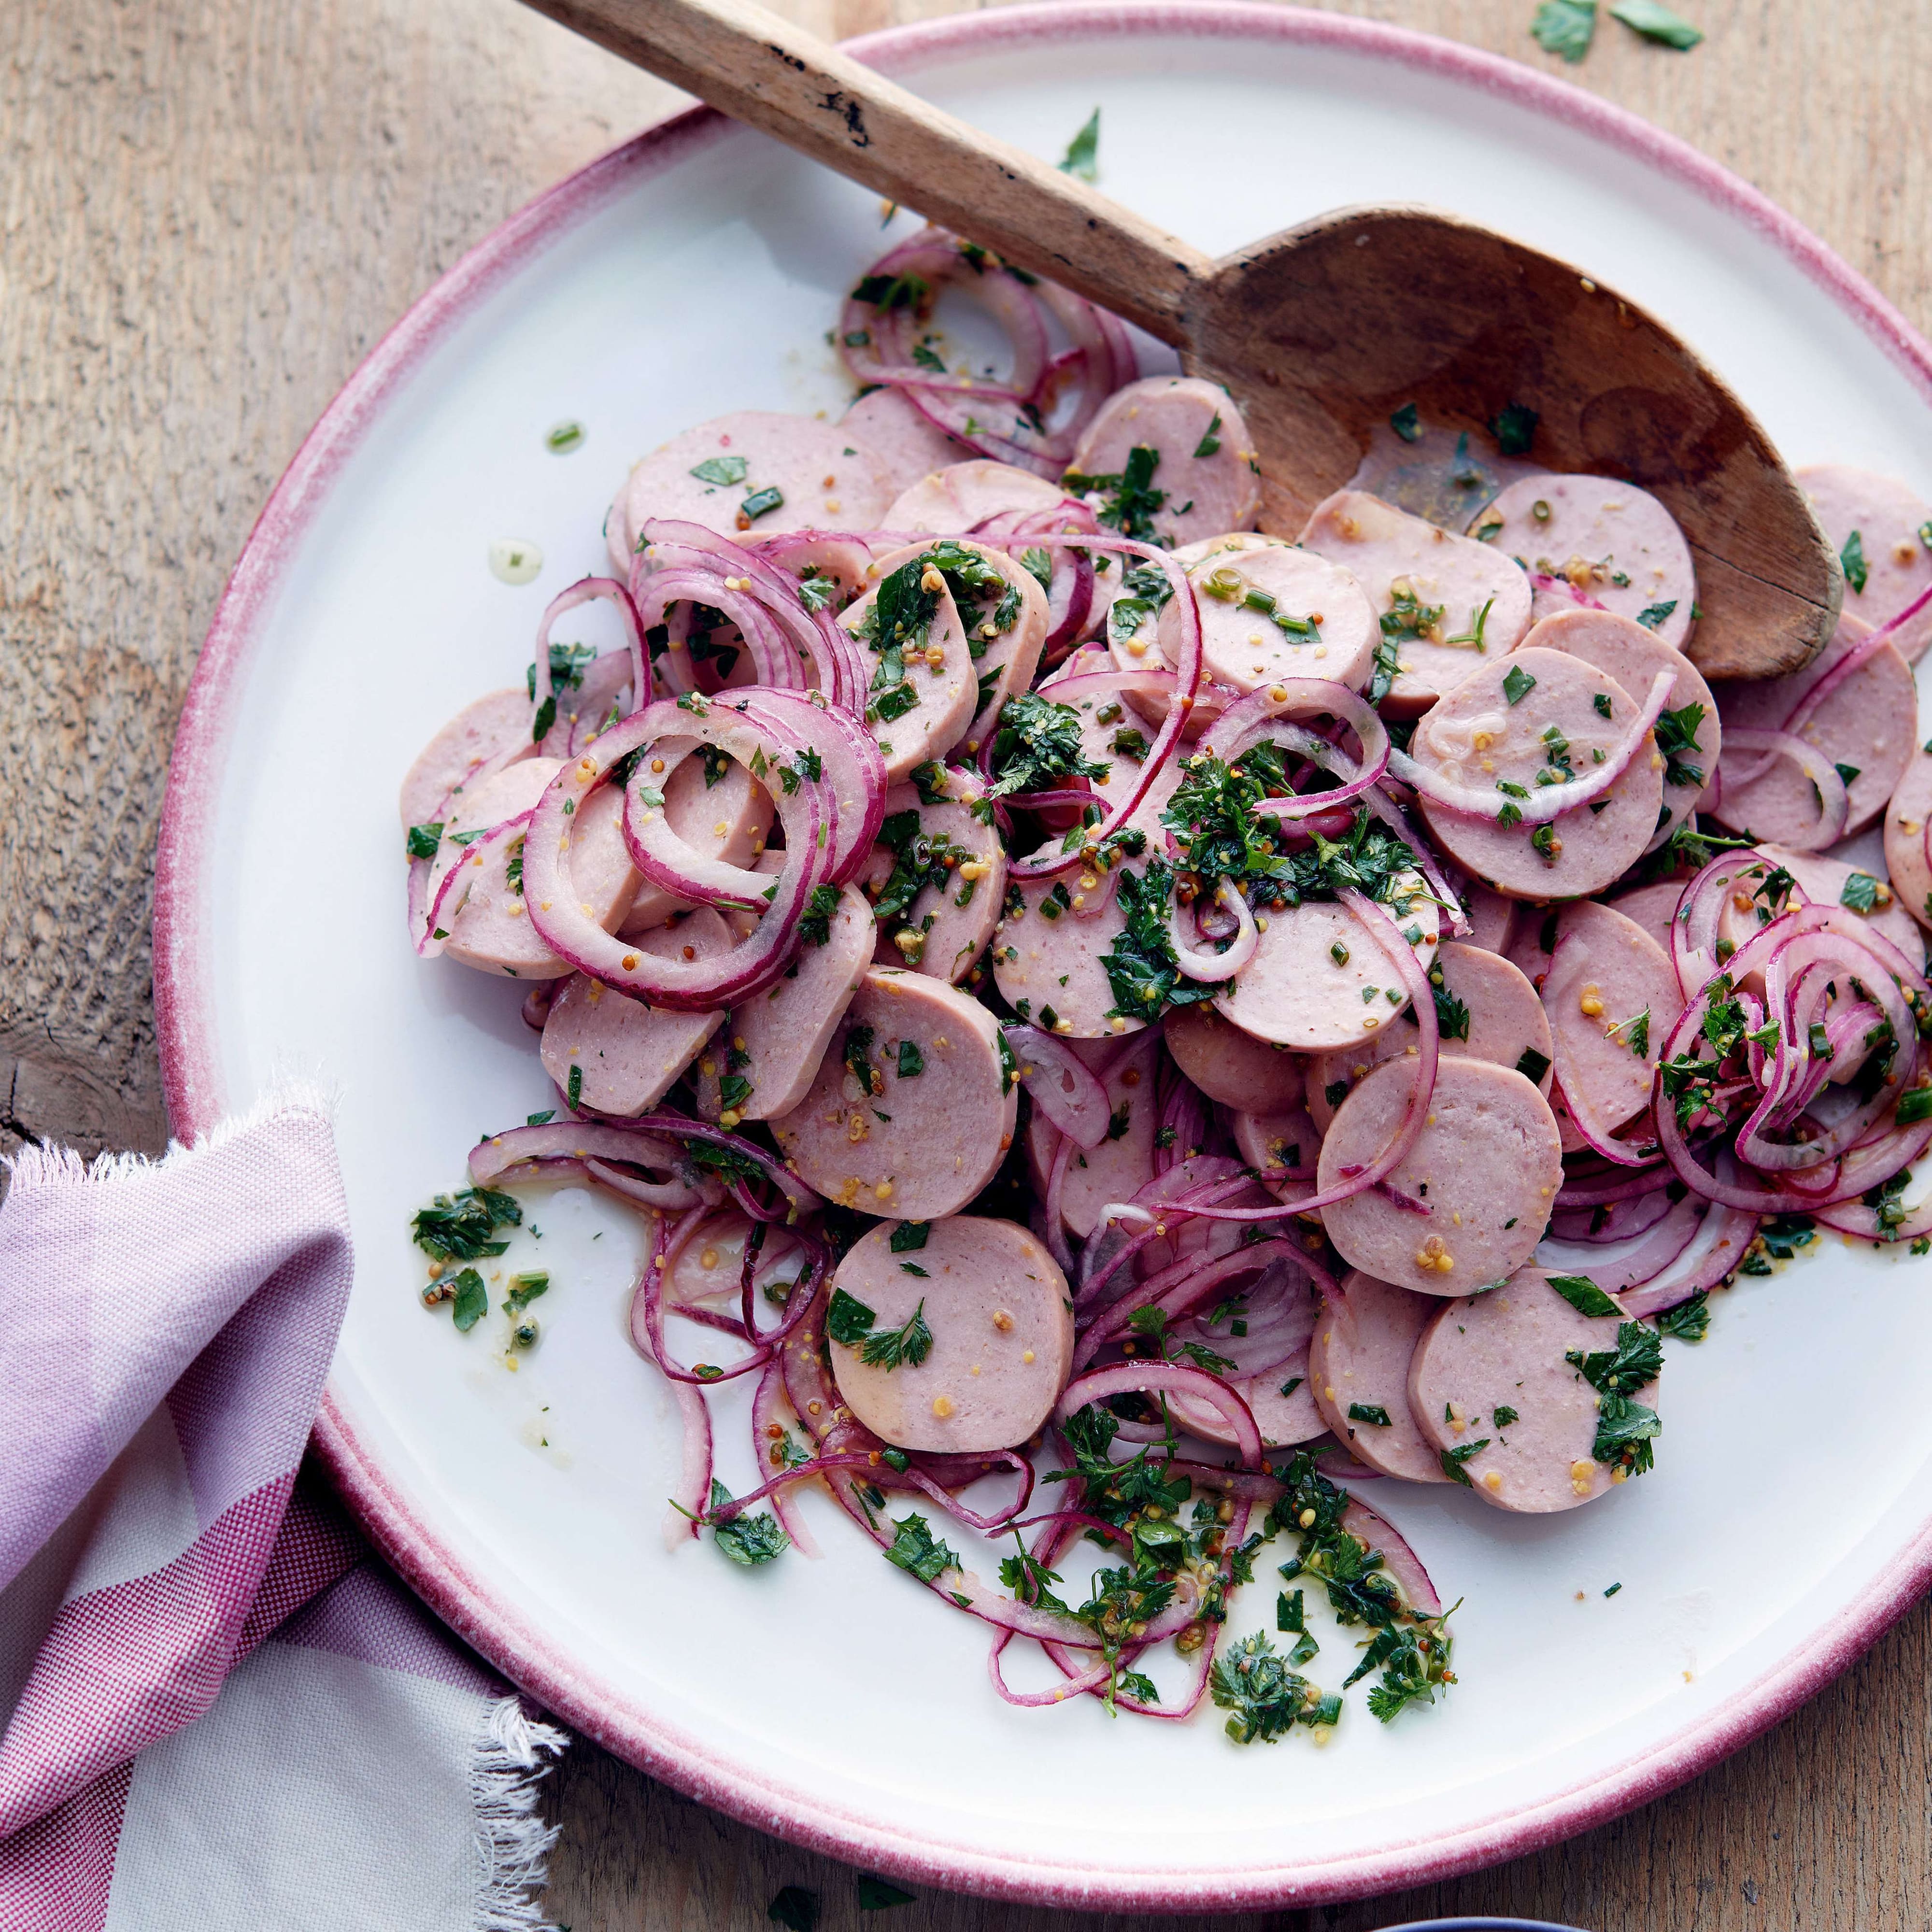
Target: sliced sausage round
[(920, 713), (1206, 470), (1824, 879), (1450, 603), (1905, 820), (1285, 1137), (1613, 997), (776, 1040), (1281, 1402), (1048, 964), (907, 443), (1123, 1164), (1129, 642), (937, 879), (952, 501), (1229, 1065), (914, 1106), (1494, 1367), (1624, 650), (489, 728), (762, 472), (1486, 1166), (1276, 612), (1358, 1368), (1546, 717), (998, 1342), (1491, 918), (490, 932), (717, 809), (1593, 542), (1653, 907), (1868, 726), (626, 1055), (1890, 521), (1486, 1010), (1318, 982)]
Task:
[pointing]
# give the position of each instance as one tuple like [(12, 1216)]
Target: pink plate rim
[(187, 1018)]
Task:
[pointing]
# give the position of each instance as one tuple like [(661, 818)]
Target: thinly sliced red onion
[(1834, 805), (585, 590), (1547, 802), (1146, 1378), (1713, 1251), (1063, 1087), (1404, 1568), (1212, 967), (1265, 714)]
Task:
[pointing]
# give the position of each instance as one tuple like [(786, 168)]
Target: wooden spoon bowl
[(1321, 331)]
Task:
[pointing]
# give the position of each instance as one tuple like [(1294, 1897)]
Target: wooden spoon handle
[(761, 70)]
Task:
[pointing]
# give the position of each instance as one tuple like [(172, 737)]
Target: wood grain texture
[(209, 211)]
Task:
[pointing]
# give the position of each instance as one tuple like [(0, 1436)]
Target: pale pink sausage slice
[(1207, 467), (1624, 650), (1653, 907), (1318, 982), (627, 1055), (491, 932), (1589, 540), (1009, 660), (1049, 964), (1000, 1320), (1286, 1137), (1613, 997), (1891, 521), (929, 1130), (1823, 878), (725, 817), (1478, 736), (484, 803), (826, 479), (1502, 1020), (1281, 1402), (1505, 1350), (1359, 1360), (1129, 642), (1229, 1065), (1123, 1164), (908, 443), (1905, 838), (1869, 724), (1410, 568), (488, 728), (923, 715), (945, 927), (776, 1040), (1491, 918), (1487, 1165), (1313, 620), (952, 501)]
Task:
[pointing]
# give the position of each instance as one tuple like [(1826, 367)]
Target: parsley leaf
[(722, 471), (1676, 734), (1132, 500), (795, 1909), (1625, 1428), (1514, 425), (750, 1539), (1689, 1321), (422, 840), (913, 1343), (1407, 423), (1082, 157), (915, 1550), (1860, 892), (847, 1319), (1453, 1459), (1656, 21), (1267, 1699), (1652, 615), (1142, 971), (459, 1227), (1036, 746), (814, 924), (1583, 1294), (1565, 27), (1517, 684)]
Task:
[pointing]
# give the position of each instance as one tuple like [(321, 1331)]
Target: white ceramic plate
[(697, 270)]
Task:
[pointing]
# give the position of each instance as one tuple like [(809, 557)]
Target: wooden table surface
[(209, 211)]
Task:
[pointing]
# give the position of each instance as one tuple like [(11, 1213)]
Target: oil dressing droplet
[(515, 560)]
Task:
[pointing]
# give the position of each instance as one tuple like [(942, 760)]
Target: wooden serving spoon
[(1319, 331)]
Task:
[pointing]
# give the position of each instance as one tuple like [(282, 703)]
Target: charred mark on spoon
[(852, 113), (791, 60)]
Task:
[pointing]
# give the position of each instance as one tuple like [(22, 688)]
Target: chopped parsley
[(1131, 502), (795, 1909), (1652, 615), (749, 1539), (1517, 684), (1141, 968), (1625, 1428), (912, 1062), (469, 1299), (721, 471), (916, 1551), (1210, 438), (1532, 1065), (1407, 423), (1453, 1459), (1676, 735), (422, 840), (1583, 1294), (1372, 1413), (1689, 1321), (1036, 746), (877, 1894), (1145, 592), (1267, 1699), (908, 1238), (1082, 157), (1514, 428), (461, 1227), (1656, 21), (1860, 892), (1565, 27), (814, 924)]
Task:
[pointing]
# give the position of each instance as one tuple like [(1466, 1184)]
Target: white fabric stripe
[(319, 1794), (147, 1515)]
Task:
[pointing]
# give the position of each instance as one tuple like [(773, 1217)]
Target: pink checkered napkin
[(217, 1710)]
